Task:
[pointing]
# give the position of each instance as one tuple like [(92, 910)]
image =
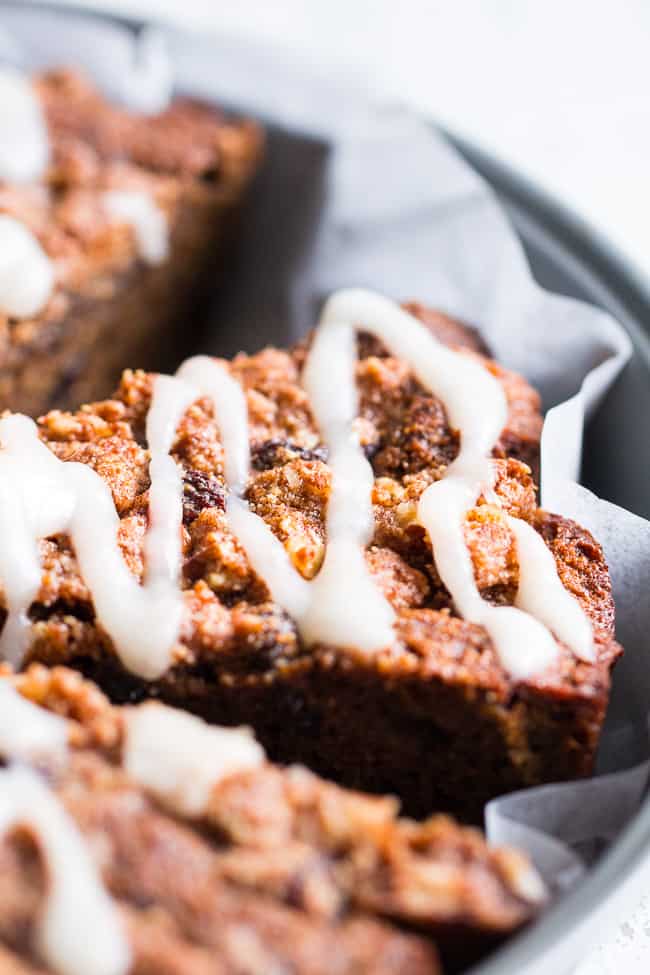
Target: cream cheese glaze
[(26, 272), (42, 496), (179, 758), (342, 606), (265, 552), (173, 755), (76, 900), (29, 733), (476, 406), (149, 223), (24, 140)]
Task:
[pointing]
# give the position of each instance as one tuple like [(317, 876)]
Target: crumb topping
[(227, 606)]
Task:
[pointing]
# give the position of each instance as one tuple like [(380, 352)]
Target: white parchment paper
[(360, 194)]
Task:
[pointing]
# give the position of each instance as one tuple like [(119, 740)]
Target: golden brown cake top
[(227, 612)]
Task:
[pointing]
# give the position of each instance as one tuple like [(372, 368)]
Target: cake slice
[(128, 216), (370, 585), (216, 860)]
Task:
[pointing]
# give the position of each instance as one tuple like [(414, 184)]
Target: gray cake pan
[(570, 257)]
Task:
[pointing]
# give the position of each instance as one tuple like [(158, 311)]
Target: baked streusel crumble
[(215, 860)]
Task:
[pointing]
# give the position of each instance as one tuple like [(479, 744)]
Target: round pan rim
[(631, 289)]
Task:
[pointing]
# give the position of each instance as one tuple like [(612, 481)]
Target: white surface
[(560, 90), (627, 950)]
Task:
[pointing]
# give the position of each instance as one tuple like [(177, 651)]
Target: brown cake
[(110, 304), (436, 717), (257, 871)]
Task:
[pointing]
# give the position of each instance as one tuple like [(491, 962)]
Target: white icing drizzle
[(42, 496), (329, 608), (542, 594), (163, 553), (24, 142), (180, 758), (265, 552), (26, 272), (477, 407), (346, 606), (79, 931), (341, 605), (32, 506), (28, 732), (210, 378), (149, 223)]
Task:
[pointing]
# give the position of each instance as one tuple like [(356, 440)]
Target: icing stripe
[(542, 594), (79, 931), (149, 223), (28, 732), (32, 506), (476, 406), (210, 378), (346, 607), (41, 496), (26, 272), (341, 605), (24, 140), (266, 553), (170, 400), (180, 758)]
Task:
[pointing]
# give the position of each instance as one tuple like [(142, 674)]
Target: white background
[(559, 88)]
